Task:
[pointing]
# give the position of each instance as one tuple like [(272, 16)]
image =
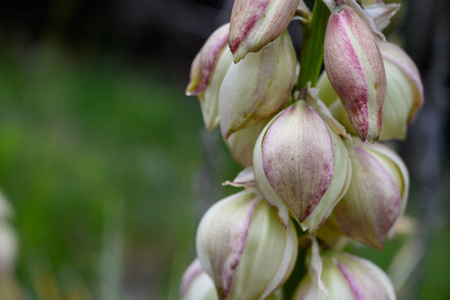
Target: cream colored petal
[(205, 61), (221, 238), (366, 280), (209, 99), (242, 142), (401, 60), (196, 284), (372, 203), (257, 87)]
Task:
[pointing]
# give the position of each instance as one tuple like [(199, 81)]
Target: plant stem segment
[(311, 56)]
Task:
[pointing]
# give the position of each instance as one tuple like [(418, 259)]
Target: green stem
[(312, 47)]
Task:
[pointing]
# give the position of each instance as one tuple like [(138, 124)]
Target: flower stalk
[(312, 45), (310, 188)]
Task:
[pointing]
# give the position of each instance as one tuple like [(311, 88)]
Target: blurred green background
[(107, 164)]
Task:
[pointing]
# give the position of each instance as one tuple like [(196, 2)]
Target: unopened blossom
[(376, 196), (258, 86), (238, 95), (404, 95), (244, 248), (347, 277), (256, 23), (207, 72), (404, 81), (301, 165), (355, 69)]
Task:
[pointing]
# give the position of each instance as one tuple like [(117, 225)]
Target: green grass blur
[(102, 164), (98, 162)]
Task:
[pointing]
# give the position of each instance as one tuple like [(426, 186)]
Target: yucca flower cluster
[(314, 173)]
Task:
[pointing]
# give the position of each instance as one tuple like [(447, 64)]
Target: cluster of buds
[(310, 152)]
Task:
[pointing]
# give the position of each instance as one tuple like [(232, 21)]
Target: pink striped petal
[(205, 61), (243, 246), (196, 284), (355, 69), (298, 158), (255, 23)]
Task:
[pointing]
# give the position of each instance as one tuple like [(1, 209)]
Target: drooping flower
[(207, 72), (346, 277), (404, 95), (196, 284), (239, 95), (256, 23), (376, 196), (301, 165), (258, 86), (244, 248)]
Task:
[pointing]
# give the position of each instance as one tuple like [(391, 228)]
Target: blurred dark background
[(107, 164)]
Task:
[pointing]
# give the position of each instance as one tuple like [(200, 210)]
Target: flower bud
[(258, 86), (242, 142), (243, 246), (404, 95), (347, 277), (403, 63), (301, 165), (355, 69), (254, 24), (207, 72), (196, 284), (376, 196)]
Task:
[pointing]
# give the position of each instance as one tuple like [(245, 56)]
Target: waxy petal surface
[(337, 189), (373, 201), (298, 158), (220, 254), (401, 60), (196, 284), (207, 73), (205, 61), (238, 238), (242, 142), (347, 277), (258, 86), (366, 280), (209, 99)]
